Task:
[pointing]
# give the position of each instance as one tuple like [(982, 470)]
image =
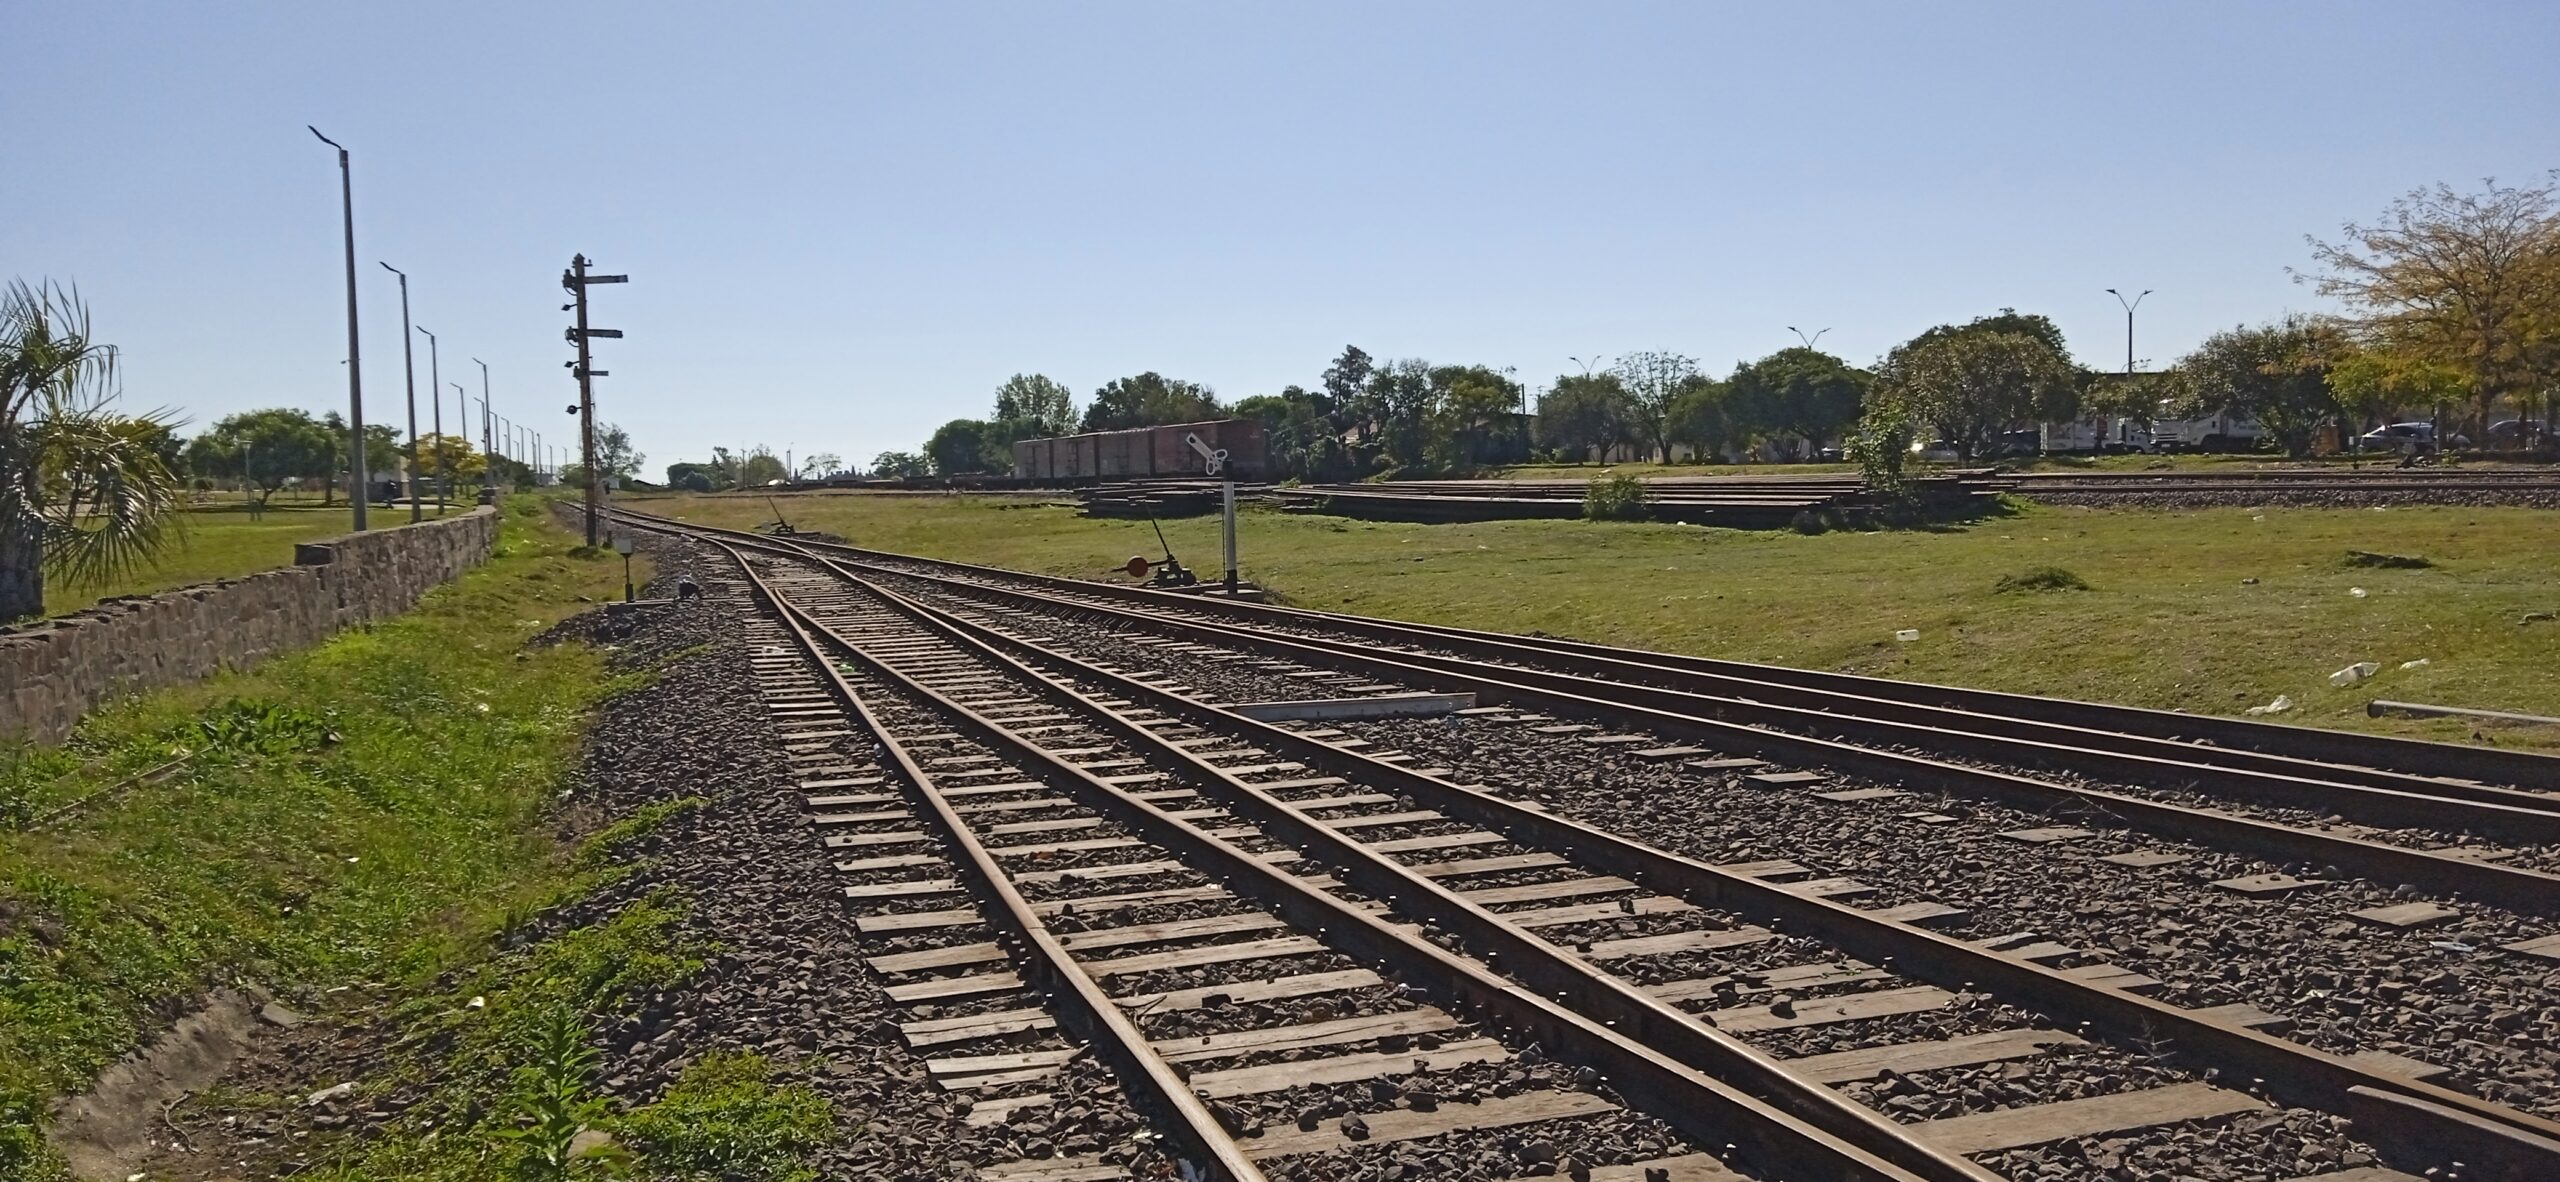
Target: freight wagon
[(1142, 452)]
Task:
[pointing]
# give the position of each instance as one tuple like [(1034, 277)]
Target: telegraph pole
[(577, 280), (355, 349)]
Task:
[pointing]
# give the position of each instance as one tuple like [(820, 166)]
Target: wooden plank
[(2047, 834), (1662, 753), (1674, 942), (956, 1066), (1569, 888), (2145, 859), (1820, 974), (1688, 1167), (1183, 958), (1404, 1124), (2406, 915), (1351, 1068), (903, 889), (2545, 947), (1240, 992), (1443, 841), (1305, 1035), (1169, 930), (1783, 779), (1920, 913), (847, 841), (915, 921), (1824, 1011), (2269, 884), (1059, 1169), (1972, 1050), (952, 957), (1985, 1132), (2399, 1065), (2112, 976), (945, 988), (1771, 870), (1548, 917), (2241, 1013), (1505, 863), (1828, 888), (931, 1032), (891, 862), (2363, 1174), (1094, 903), (1854, 795)]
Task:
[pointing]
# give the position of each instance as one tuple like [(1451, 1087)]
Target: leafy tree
[(1971, 386), (1478, 421), (615, 454), (267, 448), (2275, 373), (2009, 320), (762, 467), (84, 491), (2469, 281), (1346, 382), (1299, 434), (691, 477), (2371, 384), (1583, 412), (1800, 392), (1401, 400), (1702, 416), (900, 464), (1041, 406), (959, 446), (383, 454), (451, 454), (823, 464), (1148, 400), (1652, 381)]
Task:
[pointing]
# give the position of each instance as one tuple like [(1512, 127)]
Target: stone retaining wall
[(54, 672)]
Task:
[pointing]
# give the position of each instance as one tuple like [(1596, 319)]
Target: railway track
[(1759, 985)]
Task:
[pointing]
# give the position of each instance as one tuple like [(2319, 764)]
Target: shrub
[(2042, 578), (2387, 561), (725, 1118), (1614, 498)]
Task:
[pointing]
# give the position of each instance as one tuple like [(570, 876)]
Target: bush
[(1614, 498), (726, 1119), (2042, 578)]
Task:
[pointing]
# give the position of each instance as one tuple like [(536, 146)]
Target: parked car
[(2408, 437), (2515, 432)]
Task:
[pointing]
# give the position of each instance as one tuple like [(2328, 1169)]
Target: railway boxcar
[(1143, 452)]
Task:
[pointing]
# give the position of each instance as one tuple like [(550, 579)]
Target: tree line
[(2450, 302)]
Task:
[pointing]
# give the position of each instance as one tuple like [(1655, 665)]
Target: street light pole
[(486, 451), (1586, 365), (355, 350), (435, 368), (1809, 342), (409, 371), (2128, 324)]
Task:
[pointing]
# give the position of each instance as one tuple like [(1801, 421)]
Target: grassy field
[(367, 809), (2206, 610), (221, 541)]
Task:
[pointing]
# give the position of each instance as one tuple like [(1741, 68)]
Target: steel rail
[(1704, 1108), (2434, 1121), (1080, 998), (1612, 999), (2529, 891), (2430, 764)]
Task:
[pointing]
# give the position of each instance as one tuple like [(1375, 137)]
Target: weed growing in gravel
[(725, 1120), (1614, 498)]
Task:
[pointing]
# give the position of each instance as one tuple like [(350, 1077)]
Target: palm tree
[(84, 491)]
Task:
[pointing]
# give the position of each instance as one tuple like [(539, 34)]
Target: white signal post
[(1215, 460)]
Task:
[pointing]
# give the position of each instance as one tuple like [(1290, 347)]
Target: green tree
[(1478, 418), (615, 454), (2374, 383), (2275, 373), (269, 449), (84, 491), (2469, 281), (1401, 401), (1584, 412), (1972, 386), (1041, 406), (692, 477), (1801, 393), (900, 465), (1148, 400), (762, 467), (959, 447), (1653, 380), (1299, 435), (1702, 417)]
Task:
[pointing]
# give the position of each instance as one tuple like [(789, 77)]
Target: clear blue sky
[(846, 223)]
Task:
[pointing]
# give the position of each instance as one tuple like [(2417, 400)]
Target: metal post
[(355, 349), (409, 373), (1228, 495), (461, 415), (586, 402)]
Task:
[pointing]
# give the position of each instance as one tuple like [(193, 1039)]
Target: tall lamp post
[(1809, 341), (485, 449), (355, 350), (435, 367), (409, 369), (1586, 365), (2097, 444)]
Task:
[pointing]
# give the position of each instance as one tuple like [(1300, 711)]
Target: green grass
[(2210, 610), (220, 541), (365, 810)]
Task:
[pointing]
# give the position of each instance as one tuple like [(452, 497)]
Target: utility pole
[(461, 420), (1809, 341), (355, 350), (409, 370), (576, 280), (489, 471)]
